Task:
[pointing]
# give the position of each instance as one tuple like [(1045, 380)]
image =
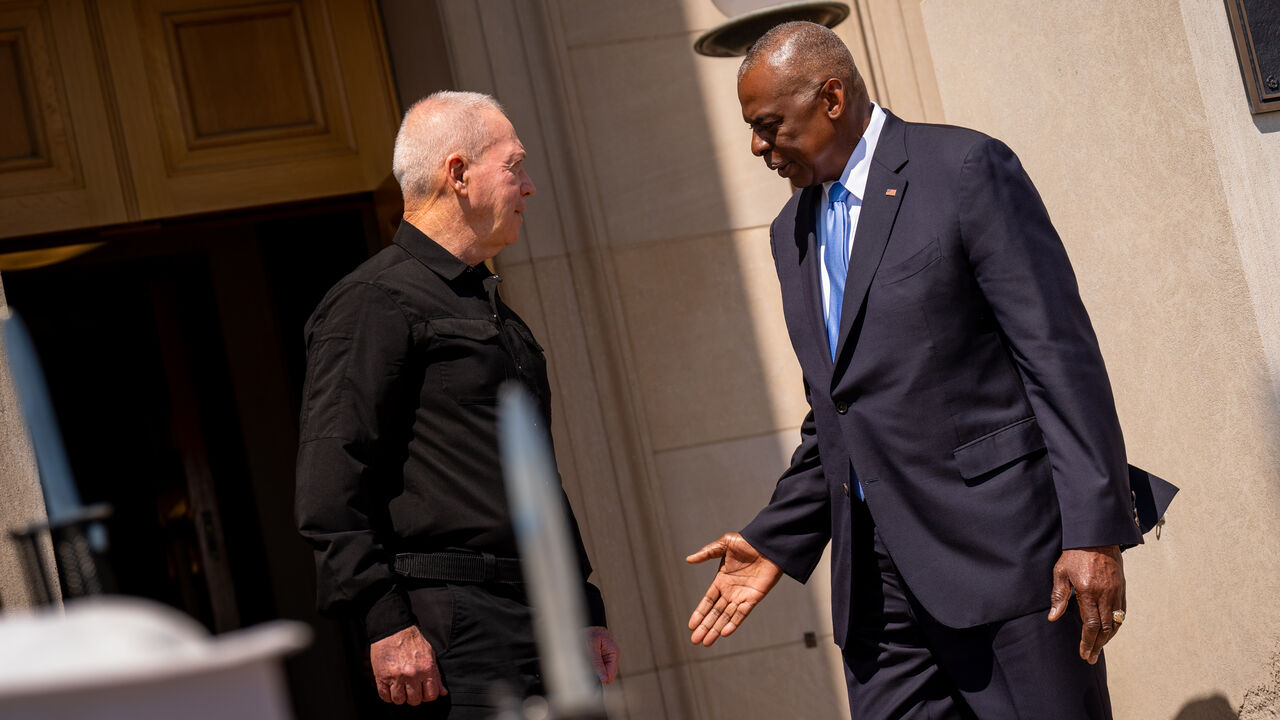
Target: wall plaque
[(1255, 26)]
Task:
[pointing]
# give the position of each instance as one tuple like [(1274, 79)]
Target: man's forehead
[(770, 79), (757, 112), (502, 135), (504, 149), (511, 146), (762, 94)]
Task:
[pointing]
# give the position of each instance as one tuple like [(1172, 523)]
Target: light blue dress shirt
[(854, 179)]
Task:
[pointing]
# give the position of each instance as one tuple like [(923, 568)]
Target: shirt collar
[(854, 177), (432, 254)]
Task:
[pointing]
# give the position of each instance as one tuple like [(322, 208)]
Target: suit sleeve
[(1024, 274), (356, 349), (794, 528)]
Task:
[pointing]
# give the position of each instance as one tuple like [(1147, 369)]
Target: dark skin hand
[(1097, 575), (744, 578)]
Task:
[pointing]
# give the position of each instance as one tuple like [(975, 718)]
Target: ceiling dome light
[(749, 19)]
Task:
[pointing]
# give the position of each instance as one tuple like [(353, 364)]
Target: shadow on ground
[(1215, 707)]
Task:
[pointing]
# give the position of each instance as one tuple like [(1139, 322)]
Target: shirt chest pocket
[(467, 356), (529, 349)]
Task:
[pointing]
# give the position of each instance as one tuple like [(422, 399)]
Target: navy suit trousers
[(902, 664)]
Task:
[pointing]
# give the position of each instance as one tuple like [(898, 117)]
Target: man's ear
[(456, 173), (833, 96)]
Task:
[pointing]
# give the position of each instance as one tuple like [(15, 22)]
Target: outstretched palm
[(744, 578)]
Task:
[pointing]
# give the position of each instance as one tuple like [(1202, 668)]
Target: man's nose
[(759, 146), (526, 185)]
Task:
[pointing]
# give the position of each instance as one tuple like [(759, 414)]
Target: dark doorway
[(174, 356)]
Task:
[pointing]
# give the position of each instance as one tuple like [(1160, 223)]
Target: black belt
[(458, 567)]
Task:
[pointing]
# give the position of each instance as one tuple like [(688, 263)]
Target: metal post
[(548, 557)]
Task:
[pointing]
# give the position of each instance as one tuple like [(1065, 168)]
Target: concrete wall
[(1133, 122)]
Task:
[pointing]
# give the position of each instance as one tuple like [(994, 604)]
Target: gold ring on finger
[(1118, 616)]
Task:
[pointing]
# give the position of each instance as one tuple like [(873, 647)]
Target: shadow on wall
[(1214, 707), (1267, 123)]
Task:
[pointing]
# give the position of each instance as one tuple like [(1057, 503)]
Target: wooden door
[(58, 165), (125, 110)]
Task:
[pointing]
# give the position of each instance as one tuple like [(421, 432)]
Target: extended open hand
[(744, 578)]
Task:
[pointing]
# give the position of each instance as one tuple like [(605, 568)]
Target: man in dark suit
[(962, 451)]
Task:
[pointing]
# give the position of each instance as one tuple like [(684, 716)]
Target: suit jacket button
[(846, 489), (842, 407)]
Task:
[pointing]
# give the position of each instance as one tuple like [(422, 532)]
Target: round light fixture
[(734, 37)]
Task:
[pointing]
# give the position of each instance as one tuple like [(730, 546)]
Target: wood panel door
[(227, 104), (115, 111), (58, 166)]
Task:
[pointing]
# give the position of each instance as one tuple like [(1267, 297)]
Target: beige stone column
[(1132, 119), (558, 278), (21, 499)]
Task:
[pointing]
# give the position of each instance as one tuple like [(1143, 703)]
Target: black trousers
[(484, 645), (902, 664)]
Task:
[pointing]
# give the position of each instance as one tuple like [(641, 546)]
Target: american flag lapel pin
[(891, 192)]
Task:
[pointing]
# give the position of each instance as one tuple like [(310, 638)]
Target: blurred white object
[(546, 555), (112, 657)]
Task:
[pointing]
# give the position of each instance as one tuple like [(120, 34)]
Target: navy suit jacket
[(967, 393)]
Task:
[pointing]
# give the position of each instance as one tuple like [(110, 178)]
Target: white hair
[(435, 127)]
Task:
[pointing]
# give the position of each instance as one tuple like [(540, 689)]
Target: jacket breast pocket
[(468, 357), (920, 261), (999, 448)]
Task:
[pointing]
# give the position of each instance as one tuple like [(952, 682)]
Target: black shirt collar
[(433, 255)]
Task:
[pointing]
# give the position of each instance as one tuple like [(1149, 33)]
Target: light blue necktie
[(835, 256)]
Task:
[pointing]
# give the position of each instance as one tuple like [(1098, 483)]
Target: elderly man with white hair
[(399, 482)]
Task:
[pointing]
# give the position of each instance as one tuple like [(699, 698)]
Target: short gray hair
[(435, 127), (807, 53)]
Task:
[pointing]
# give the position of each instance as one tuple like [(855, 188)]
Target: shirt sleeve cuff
[(595, 606), (388, 615)]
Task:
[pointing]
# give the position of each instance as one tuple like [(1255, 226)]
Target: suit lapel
[(807, 256), (880, 203)]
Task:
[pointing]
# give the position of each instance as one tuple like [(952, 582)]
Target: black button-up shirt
[(399, 448)]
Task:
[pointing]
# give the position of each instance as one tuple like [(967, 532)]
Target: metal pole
[(78, 534), (548, 557)]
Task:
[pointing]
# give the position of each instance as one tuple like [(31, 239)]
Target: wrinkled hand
[(744, 578), (1097, 574), (604, 653), (404, 667)]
